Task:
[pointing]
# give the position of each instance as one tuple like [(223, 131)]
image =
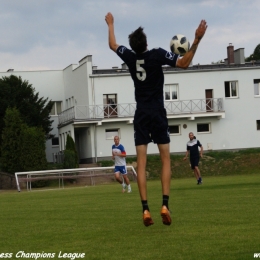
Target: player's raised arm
[(185, 61), (111, 34)]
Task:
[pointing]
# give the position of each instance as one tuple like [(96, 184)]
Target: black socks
[(145, 205), (165, 201)]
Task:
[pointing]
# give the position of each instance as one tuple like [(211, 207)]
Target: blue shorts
[(151, 125), (121, 169), (194, 162)]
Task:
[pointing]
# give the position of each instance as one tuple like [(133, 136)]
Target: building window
[(174, 129), (110, 99), (56, 108), (170, 92), (55, 141), (203, 128), (257, 124), (231, 89), (257, 87), (111, 133)]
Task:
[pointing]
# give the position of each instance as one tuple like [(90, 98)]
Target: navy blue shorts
[(151, 125), (194, 162), (121, 169)]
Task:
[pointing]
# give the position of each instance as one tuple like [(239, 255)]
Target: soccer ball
[(179, 44)]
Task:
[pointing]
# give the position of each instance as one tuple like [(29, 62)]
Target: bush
[(23, 147), (70, 155), (32, 145), (10, 148), (69, 160)]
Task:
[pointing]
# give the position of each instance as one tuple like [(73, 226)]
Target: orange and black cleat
[(147, 218), (166, 217)]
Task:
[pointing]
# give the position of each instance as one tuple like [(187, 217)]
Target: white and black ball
[(179, 44)]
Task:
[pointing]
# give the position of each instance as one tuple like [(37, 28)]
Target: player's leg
[(160, 135), (166, 181), (198, 175), (118, 177), (126, 179), (142, 137), (193, 165), (141, 151)]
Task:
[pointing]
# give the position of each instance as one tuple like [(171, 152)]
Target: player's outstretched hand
[(109, 19), (201, 30)]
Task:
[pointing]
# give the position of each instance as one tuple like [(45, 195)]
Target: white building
[(219, 103)]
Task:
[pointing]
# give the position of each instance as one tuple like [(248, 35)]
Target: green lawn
[(217, 220)]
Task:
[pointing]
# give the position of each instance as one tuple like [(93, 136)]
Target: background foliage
[(34, 110)]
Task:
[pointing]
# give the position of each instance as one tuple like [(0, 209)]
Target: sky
[(52, 34)]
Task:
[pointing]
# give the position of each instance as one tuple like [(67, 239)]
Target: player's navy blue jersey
[(193, 146), (147, 74)]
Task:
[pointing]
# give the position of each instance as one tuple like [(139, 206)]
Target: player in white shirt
[(119, 154)]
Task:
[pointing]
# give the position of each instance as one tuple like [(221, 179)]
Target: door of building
[(209, 100), (110, 105)]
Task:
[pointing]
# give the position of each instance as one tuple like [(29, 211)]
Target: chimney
[(124, 66), (239, 56), (230, 54)]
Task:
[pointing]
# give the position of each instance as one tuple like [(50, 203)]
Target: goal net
[(78, 177)]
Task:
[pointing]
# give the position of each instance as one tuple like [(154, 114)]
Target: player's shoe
[(147, 218), (166, 217), (200, 181), (129, 190)]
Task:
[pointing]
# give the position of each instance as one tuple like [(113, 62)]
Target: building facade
[(219, 103)]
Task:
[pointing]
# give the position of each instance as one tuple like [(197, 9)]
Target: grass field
[(217, 220)]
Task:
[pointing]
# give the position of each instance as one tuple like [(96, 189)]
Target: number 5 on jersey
[(140, 71)]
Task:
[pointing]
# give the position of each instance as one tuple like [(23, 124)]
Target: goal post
[(63, 174)]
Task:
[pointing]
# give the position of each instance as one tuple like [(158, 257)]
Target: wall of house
[(236, 131), (76, 85), (122, 85)]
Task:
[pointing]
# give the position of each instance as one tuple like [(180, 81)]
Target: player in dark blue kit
[(193, 149), (150, 120)]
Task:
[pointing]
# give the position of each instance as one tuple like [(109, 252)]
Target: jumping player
[(150, 120), (193, 149), (119, 154)]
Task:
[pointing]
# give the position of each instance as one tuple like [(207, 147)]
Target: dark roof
[(220, 66)]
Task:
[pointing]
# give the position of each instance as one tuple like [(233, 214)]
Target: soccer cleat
[(166, 217), (147, 218), (129, 191)]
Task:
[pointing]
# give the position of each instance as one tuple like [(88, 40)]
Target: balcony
[(190, 109)]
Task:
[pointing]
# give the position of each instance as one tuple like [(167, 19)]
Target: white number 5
[(141, 73)]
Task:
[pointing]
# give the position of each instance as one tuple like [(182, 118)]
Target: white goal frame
[(59, 174)]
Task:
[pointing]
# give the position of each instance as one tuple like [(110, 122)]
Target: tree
[(32, 149), (10, 147), (23, 147), (70, 154), (34, 110), (255, 55)]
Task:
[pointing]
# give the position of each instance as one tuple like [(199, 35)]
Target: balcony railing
[(128, 109)]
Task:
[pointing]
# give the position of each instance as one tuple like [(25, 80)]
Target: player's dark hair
[(137, 40), (194, 137)]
